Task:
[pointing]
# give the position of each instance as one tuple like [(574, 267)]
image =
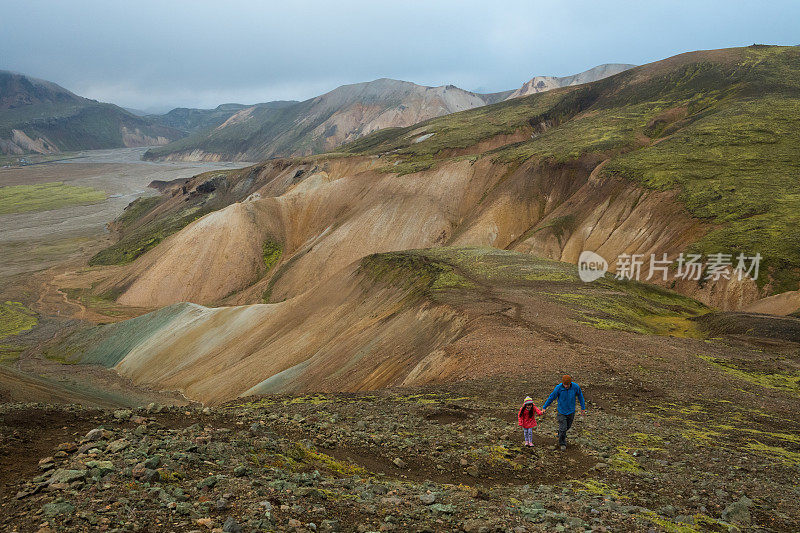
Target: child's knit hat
[(528, 399)]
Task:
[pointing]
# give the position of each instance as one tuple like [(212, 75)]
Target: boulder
[(63, 475)]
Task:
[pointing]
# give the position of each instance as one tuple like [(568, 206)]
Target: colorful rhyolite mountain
[(342, 115), (695, 153)]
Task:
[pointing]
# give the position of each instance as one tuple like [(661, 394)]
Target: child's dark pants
[(564, 423)]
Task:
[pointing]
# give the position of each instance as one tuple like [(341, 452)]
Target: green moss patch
[(272, 252), (15, 318), (46, 196), (137, 209), (604, 304), (780, 380), (413, 270), (146, 237), (10, 352)]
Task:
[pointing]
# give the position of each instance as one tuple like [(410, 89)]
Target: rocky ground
[(645, 458)]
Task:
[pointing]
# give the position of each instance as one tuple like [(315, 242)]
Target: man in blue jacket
[(565, 395)]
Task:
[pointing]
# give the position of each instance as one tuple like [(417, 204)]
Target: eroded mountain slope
[(406, 318), (693, 153)]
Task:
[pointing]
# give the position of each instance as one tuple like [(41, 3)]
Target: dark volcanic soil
[(664, 453)]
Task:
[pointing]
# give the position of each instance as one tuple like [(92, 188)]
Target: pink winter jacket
[(528, 420)]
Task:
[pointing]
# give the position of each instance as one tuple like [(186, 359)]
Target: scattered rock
[(94, 434), (103, 467), (65, 476), (116, 446), (329, 526), (208, 482), (427, 498), (739, 511), (69, 447), (123, 414), (442, 508), (57, 508), (231, 526), (221, 504)]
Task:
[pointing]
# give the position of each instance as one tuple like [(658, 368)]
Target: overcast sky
[(162, 54)]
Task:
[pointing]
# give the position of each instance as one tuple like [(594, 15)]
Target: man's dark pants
[(564, 423)]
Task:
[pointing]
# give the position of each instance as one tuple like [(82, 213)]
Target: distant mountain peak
[(18, 90), (539, 84), (41, 116), (342, 115)]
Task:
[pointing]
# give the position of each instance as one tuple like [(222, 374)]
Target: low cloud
[(199, 54)]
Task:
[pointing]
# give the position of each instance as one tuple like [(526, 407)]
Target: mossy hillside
[(738, 169), (140, 230), (457, 130), (413, 271), (79, 124), (136, 210), (148, 236), (10, 352), (734, 157), (607, 303), (503, 266), (724, 132), (15, 318), (269, 129), (627, 305), (46, 196), (784, 380), (626, 115)]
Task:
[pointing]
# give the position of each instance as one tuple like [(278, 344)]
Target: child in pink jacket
[(527, 419)]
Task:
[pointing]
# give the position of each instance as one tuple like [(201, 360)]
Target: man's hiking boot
[(563, 447)]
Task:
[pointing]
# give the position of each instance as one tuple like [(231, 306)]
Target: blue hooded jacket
[(566, 398)]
